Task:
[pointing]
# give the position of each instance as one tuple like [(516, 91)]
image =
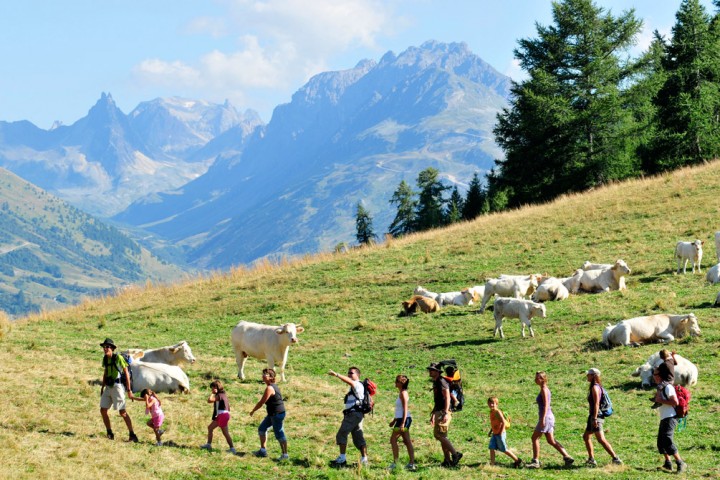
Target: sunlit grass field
[(349, 303)]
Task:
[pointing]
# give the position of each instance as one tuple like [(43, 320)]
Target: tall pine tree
[(567, 128), (474, 203), (430, 201), (363, 226), (404, 222), (453, 213)]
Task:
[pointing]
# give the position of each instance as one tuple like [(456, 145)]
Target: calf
[(425, 304), (686, 373), (177, 354), (515, 287), (689, 251), (515, 308), (263, 342)]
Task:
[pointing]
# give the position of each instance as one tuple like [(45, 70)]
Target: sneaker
[(158, 444), (681, 467), (667, 466), (260, 453), (456, 458), (283, 457), (133, 438), (231, 450), (391, 467), (364, 461), (617, 461), (110, 436), (569, 461), (590, 462), (534, 464), (206, 446), (518, 463), (339, 462), (411, 467)]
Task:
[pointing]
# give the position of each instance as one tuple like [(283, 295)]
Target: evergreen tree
[(430, 202), (567, 127), (688, 104), (363, 226), (404, 221), (454, 208), (474, 200)]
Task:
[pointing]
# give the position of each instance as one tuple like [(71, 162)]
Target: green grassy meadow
[(349, 304)]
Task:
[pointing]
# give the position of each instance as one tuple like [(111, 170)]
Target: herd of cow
[(160, 369)]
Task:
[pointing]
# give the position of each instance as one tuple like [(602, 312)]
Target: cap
[(593, 371), (434, 366), (108, 343)]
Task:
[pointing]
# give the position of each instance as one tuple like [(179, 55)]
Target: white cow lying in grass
[(713, 274), (686, 373), (605, 280), (158, 377), (604, 266), (263, 342), (553, 288), (516, 308), (661, 327), (689, 251), (514, 287), (177, 354), (425, 292)]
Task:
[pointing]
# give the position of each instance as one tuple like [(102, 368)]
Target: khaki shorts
[(441, 424), (113, 397)]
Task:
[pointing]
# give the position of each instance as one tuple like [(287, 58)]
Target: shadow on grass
[(594, 346), (462, 343), (706, 305)]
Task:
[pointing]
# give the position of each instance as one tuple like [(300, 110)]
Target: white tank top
[(399, 408)]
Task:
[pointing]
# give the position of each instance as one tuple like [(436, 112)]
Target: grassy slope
[(49, 420)]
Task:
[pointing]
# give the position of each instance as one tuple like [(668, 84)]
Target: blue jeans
[(276, 422)]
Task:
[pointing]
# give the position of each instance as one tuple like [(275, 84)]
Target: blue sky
[(56, 57)]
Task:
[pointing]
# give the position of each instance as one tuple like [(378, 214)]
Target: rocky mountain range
[(227, 189)]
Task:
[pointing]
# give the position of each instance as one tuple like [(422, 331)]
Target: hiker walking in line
[(546, 424), (352, 417), (595, 420), (112, 391), (273, 401), (497, 434), (667, 398), (157, 417), (220, 416), (401, 424), (440, 417)]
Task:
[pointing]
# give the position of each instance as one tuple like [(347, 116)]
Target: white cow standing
[(263, 342), (661, 327), (158, 377), (686, 372), (689, 251), (516, 308)]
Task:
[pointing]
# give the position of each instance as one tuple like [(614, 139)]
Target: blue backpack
[(606, 408)]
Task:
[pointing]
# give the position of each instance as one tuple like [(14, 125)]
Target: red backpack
[(683, 396)]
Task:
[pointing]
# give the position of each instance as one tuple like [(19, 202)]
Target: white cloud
[(279, 44), (515, 72)]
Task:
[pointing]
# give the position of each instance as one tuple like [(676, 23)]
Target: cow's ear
[(299, 329), (174, 349), (684, 320), (279, 330)]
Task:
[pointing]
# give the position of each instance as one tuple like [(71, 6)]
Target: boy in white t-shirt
[(665, 442)]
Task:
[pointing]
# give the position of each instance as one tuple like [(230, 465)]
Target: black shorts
[(398, 421)]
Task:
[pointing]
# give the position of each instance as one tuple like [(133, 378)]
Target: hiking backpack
[(452, 375), (683, 396), (128, 360), (606, 407), (367, 403)]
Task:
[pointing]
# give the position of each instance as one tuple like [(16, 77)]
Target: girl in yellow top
[(497, 433)]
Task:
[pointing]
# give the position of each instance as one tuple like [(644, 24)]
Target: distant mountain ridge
[(106, 160), (52, 254), (345, 137)]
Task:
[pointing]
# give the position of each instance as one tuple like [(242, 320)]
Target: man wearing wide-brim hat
[(112, 391), (441, 416)]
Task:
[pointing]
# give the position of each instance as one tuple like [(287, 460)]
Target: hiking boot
[(260, 453), (133, 438), (534, 464), (617, 461), (446, 464), (569, 461), (231, 450), (681, 467), (666, 467), (518, 463), (456, 458), (206, 446), (411, 467), (110, 436), (590, 462), (283, 457)]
